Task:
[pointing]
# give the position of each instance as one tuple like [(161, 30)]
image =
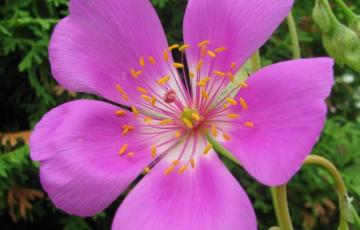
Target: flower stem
[(349, 14), (256, 61), (220, 149), (281, 207), (294, 36)]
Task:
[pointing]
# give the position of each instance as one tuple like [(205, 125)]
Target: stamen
[(192, 75), (131, 154), (169, 170), (233, 65), (123, 149), (220, 49), (219, 73), (226, 136), (196, 116), (203, 43), (147, 120), (214, 131), (135, 111), (203, 51), (142, 90), (177, 134), (146, 98), (249, 124), (243, 103), (244, 84), (166, 55), (226, 105), (182, 169), (207, 149), (184, 47), (187, 123), (152, 60), (166, 121), (231, 101), (175, 46), (163, 80), (153, 101), (122, 92), (205, 94), (153, 151), (120, 112), (142, 61), (211, 54), (231, 76), (233, 115), (147, 170), (178, 65), (203, 82), (199, 65), (133, 73), (175, 162), (192, 163)]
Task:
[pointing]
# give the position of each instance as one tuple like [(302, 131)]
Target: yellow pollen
[(169, 170), (152, 60), (138, 73), (231, 76), (146, 98), (233, 65), (177, 134), (175, 46), (153, 101), (123, 149), (133, 73), (142, 90), (187, 123), (199, 65), (249, 124), (192, 163), (192, 75), (205, 94), (165, 121), (163, 80), (203, 51), (166, 55), (178, 65), (243, 103), (175, 162), (244, 84), (122, 92), (233, 115), (214, 131), (211, 54), (142, 61), (131, 154), (129, 127), (125, 131), (203, 82), (182, 169), (184, 47), (196, 116), (135, 111), (120, 112), (153, 151), (207, 149), (147, 170), (147, 120), (231, 101), (226, 105), (204, 43), (220, 49), (219, 73), (226, 136)]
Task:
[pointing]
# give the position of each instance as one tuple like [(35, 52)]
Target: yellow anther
[(203, 51), (219, 73), (249, 124), (120, 112), (123, 149), (153, 101), (166, 55), (243, 103), (203, 82), (192, 75), (175, 162), (231, 76), (169, 170), (192, 163), (178, 65), (225, 105), (199, 65), (165, 121), (152, 60), (233, 65), (147, 120), (142, 61), (226, 136), (138, 73), (122, 92), (142, 90), (153, 151), (187, 123), (205, 94), (131, 154), (125, 131), (147, 170), (184, 47), (244, 84), (129, 127), (135, 111), (207, 149), (204, 43), (146, 98), (214, 131), (163, 80), (231, 101), (233, 115), (177, 134), (211, 54), (220, 49), (133, 73), (182, 169), (196, 116), (175, 46)]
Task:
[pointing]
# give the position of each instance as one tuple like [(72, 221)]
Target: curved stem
[(256, 61), (281, 207), (220, 149), (294, 36), (349, 14)]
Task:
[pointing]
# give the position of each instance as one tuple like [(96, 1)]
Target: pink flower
[(90, 151)]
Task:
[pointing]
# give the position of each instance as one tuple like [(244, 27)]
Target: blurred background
[(28, 91)]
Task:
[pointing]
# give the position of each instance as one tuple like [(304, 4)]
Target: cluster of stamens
[(181, 116)]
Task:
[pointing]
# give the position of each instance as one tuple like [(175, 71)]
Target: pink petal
[(207, 197), (77, 145), (242, 26), (94, 48), (287, 108)]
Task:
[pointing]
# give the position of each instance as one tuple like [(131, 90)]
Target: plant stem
[(256, 61), (281, 207), (220, 149), (294, 36), (349, 14)]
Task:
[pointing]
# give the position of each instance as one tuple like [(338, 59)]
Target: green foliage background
[(28, 91)]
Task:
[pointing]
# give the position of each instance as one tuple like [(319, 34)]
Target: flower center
[(190, 118)]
